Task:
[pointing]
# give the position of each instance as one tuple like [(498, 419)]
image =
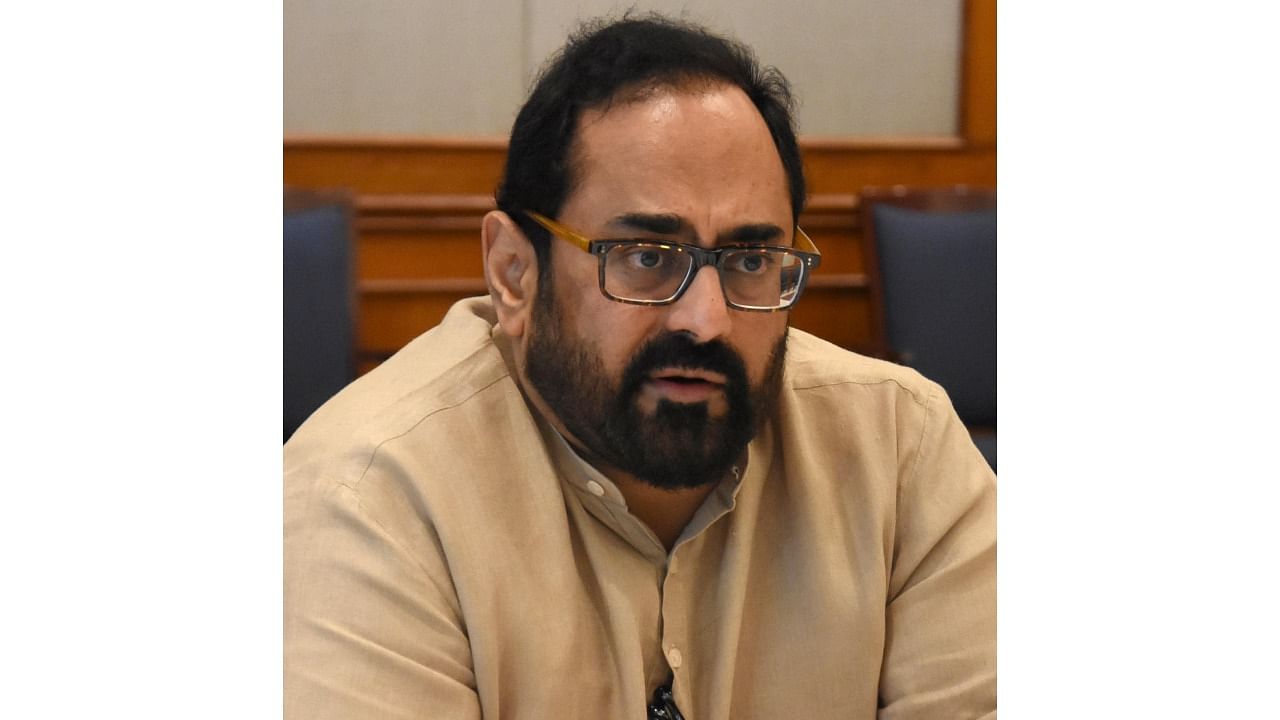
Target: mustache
[(678, 350)]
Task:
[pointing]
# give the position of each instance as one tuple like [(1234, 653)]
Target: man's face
[(669, 394)]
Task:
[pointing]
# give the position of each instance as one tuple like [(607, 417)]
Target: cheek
[(620, 331), (615, 331), (755, 337), (577, 294)]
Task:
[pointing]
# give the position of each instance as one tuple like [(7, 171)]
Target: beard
[(676, 445)]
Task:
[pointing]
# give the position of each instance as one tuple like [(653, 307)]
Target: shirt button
[(596, 488), (674, 658)]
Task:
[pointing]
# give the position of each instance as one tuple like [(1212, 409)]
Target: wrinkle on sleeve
[(940, 640), (372, 623)]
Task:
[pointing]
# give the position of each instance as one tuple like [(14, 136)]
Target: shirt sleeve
[(940, 634), (372, 623)]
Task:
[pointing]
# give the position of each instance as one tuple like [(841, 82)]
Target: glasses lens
[(763, 278), (645, 271), (755, 278)]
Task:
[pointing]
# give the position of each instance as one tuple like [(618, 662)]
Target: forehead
[(702, 153)]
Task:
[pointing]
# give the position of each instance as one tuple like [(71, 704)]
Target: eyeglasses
[(762, 278)]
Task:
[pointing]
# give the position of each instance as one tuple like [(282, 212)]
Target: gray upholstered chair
[(933, 287), (319, 301)]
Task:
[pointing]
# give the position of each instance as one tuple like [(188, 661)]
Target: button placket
[(674, 612)]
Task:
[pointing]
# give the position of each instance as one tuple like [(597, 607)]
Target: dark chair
[(319, 301), (932, 256)]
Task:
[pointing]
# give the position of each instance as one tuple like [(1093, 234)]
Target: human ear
[(510, 271)]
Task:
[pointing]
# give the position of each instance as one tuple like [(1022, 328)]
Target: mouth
[(686, 385)]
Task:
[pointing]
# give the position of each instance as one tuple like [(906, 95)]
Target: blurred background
[(395, 117), (861, 67)]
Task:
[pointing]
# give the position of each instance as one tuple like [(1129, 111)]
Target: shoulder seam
[(819, 385), (373, 454)]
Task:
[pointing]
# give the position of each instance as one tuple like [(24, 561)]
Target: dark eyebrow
[(752, 234), (661, 224), (670, 224)]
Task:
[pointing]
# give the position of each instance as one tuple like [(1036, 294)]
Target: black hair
[(602, 62)]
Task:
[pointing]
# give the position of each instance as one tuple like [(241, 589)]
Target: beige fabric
[(448, 556)]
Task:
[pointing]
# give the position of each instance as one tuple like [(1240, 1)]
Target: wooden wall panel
[(403, 168), (389, 320), (832, 225), (391, 166), (839, 315), (847, 169), (978, 82), (419, 250), (419, 203)]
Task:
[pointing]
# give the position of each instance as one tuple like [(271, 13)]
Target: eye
[(644, 257), (749, 262), (648, 258)]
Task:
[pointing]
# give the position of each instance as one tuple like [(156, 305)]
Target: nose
[(701, 311)]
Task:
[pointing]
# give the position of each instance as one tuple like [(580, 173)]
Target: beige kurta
[(448, 556)]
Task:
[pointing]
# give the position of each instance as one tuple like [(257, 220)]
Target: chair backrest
[(319, 301), (932, 257)]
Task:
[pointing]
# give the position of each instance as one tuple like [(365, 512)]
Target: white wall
[(461, 67)]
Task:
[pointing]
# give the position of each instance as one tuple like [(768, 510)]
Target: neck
[(665, 512)]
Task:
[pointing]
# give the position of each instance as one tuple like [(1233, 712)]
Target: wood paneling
[(420, 200), (392, 318), (406, 251), (395, 166), (851, 168), (404, 175), (978, 82)]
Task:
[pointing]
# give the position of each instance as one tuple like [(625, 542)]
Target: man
[(621, 472)]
